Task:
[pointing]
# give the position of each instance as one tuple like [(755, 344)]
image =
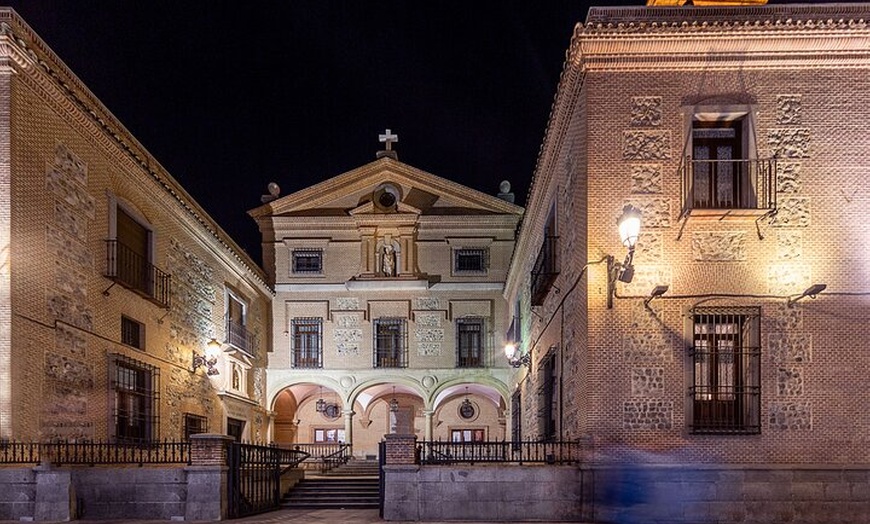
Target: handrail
[(335, 459), (504, 451), (95, 452)]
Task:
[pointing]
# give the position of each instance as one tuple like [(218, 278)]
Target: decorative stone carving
[(347, 349), (649, 248), (259, 384), (429, 349), (430, 303), (429, 334), (68, 310), (69, 370), (790, 415), (719, 246), (789, 142), (647, 382), (647, 414), (646, 111), (428, 319), (789, 245), (788, 177), (347, 341), (646, 178), (67, 162), (788, 110), (792, 212), (790, 347), (646, 145), (347, 304), (67, 191), (74, 224), (789, 382), (347, 321), (787, 279), (656, 212), (784, 318), (645, 347)]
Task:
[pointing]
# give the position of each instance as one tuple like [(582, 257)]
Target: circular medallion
[(466, 409), (332, 411)]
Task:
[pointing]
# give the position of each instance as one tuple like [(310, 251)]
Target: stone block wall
[(17, 493), (130, 493)]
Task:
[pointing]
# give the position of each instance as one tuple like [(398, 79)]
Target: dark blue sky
[(229, 96)]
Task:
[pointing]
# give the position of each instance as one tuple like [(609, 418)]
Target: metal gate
[(254, 477), (382, 459)]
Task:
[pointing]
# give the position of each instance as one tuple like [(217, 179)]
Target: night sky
[(229, 96)]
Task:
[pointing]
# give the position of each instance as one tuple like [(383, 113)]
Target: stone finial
[(504, 191)]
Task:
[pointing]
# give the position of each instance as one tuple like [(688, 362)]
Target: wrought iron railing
[(254, 477), (239, 336), (523, 452), (336, 458), (545, 270), (93, 453), (322, 456), (133, 271), (729, 184)]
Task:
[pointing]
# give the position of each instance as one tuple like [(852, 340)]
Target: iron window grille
[(726, 371), (470, 337), (135, 388), (132, 333), (547, 264), (307, 261), (390, 343), (194, 424), (470, 261), (307, 342), (547, 397)]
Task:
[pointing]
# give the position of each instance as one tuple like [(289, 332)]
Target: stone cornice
[(22, 49)]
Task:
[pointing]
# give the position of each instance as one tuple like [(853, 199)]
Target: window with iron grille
[(470, 336), (135, 394), (547, 397), (726, 370), (307, 261), (391, 343), (306, 338), (194, 424), (547, 265), (237, 333), (132, 333), (470, 261), (516, 418)]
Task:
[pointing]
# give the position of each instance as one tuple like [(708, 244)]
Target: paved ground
[(314, 516)]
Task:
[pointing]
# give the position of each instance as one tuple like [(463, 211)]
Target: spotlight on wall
[(811, 292), (514, 358), (656, 292), (209, 359), (629, 231)]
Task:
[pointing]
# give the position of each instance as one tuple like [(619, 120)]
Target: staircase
[(352, 485)]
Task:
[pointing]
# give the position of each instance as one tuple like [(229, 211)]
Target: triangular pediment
[(420, 193)]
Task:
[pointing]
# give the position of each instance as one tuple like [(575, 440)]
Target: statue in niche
[(388, 261)]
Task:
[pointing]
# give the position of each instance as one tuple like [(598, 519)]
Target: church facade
[(126, 313), (723, 353), (388, 313)]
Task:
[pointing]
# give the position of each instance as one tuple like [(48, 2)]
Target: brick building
[(112, 278), (388, 285), (737, 133)]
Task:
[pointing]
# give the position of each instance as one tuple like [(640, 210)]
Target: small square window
[(132, 333), (194, 424), (469, 260), (308, 261)]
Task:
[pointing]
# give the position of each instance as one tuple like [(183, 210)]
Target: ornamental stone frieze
[(719, 246), (788, 110), (427, 303), (646, 145), (646, 178), (347, 304), (646, 111)]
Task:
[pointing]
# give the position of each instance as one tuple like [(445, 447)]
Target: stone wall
[(486, 493), (130, 493), (17, 493)]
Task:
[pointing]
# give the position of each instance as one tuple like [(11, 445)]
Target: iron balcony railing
[(133, 271), (522, 452), (546, 269), (92, 453), (729, 184), (239, 337)]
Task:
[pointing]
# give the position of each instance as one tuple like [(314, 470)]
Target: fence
[(519, 452), (254, 476), (324, 456), (92, 453)]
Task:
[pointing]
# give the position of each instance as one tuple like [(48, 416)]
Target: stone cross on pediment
[(388, 138)]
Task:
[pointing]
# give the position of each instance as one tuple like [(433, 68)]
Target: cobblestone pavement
[(296, 516)]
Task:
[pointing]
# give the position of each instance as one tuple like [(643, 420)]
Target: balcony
[(134, 272), (546, 269), (729, 184), (239, 337)]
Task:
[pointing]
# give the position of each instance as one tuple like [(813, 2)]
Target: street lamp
[(514, 359), (629, 231), (209, 358)]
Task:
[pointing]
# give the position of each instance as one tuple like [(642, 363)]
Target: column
[(427, 426), (348, 426)]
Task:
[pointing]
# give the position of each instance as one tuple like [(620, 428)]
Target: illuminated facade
[(738, 132), (112, 278), (388, 284)]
